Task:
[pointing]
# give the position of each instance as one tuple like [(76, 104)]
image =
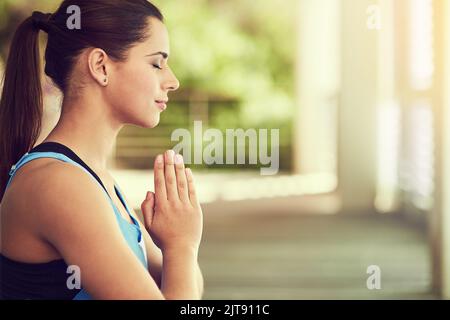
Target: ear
[(98, 66)]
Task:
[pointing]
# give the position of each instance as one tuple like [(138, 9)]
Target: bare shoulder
[(64, 192), (40, 176), (44, 195), (58, 173), (43, 184)]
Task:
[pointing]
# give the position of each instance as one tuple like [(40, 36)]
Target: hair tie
[(41, 20)]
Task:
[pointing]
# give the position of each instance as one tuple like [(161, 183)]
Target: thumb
[(147, 208)]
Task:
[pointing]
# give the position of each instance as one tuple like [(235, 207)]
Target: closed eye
[(157, 66)]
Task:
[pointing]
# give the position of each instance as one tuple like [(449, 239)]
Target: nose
[(172, 83)]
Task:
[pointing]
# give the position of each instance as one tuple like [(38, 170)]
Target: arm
[(75, 216), (154, 254), (155, 261)]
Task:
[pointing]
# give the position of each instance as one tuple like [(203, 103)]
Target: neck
[(88, 128)]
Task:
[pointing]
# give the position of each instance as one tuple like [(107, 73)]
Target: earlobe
[(105, 80)]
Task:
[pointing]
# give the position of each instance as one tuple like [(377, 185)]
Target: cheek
[(131, 95), (134, 89)]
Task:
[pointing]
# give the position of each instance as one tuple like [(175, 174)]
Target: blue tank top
[(33, 281)]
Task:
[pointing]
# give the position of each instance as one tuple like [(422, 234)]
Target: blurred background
[(358, 90)]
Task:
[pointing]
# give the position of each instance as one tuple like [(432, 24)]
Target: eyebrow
[(164, 54)]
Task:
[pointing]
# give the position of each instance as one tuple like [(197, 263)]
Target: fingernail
[(159, 159), (170, 155), (148, 196), (178, 159)]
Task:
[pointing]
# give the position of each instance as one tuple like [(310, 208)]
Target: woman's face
[(138, 88)]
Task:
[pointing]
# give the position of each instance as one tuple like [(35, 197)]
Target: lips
[(162, 104)]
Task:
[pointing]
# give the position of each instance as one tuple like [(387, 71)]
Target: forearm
[(180, 279)]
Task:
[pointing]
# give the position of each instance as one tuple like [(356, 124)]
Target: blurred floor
[(285, 256)]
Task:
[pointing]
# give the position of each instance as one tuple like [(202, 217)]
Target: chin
[(145, 118), (149, 123)]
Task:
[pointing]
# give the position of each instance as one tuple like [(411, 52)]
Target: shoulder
[(64, 194), (59, 173), (58, 181), (45, 184), (45, 175)]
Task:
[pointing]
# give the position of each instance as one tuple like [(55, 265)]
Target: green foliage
[(240, 51), (236, 48)]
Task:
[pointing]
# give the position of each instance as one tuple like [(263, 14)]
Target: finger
[(181, 178), (169, 174), (147, 208), (191, 187), (160, 181)]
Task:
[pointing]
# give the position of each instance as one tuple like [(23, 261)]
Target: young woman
[(63, 217)]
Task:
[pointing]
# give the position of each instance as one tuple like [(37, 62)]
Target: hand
[(173, 215)]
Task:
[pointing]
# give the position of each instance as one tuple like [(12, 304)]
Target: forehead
[(158, 39)]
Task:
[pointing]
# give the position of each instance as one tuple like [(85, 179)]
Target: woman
[(67, 231)]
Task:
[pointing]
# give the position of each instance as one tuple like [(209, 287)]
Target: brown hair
[(112, 25)]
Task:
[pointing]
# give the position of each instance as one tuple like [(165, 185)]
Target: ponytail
[(21, 104)]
